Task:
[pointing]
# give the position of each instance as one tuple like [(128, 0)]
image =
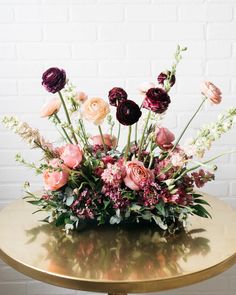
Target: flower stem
[(118, 136), (186, 127), (63, 129), (103, 141), (128, 143), (67, 116), (142, 138), (136, 133)]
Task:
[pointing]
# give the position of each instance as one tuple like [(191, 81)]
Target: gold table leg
[(117, 294)]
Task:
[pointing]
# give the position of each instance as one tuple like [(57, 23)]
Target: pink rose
[(109, 140), (211, 92), (71, 155), (136, 175), (50, 108), (54, 180), (164, 138)]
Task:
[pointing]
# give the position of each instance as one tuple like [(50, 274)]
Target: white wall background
[(106, 43)]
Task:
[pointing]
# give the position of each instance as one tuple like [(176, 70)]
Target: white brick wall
[(105, 43)]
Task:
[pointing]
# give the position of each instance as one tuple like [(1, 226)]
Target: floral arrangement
[(91, 178)]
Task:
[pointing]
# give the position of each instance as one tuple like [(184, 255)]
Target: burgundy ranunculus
[(156, 100), (128, 112), (163, 76), (117, 95), (54, 79)]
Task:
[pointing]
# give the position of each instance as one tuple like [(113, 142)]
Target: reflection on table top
[(118, 259)]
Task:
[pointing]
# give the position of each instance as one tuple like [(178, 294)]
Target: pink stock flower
[(50, 108), (53, 180), (109, 140), (114, 174), (164, 138), (71, 155), (136, 175), (212, 92)]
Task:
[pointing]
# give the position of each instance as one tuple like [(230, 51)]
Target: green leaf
[(69, 201), (201, 201), (159, 222), (161, 208), (201, 211), (61, 219), (38, 202), (106, 203)]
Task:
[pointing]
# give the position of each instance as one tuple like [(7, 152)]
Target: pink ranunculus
[(164, 138), (136, 175), (50, 108), (109, 140), (71, 155), (212, 92), (53, 180), (81, 96)]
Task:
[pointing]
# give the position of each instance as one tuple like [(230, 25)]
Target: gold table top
[(118, 260)]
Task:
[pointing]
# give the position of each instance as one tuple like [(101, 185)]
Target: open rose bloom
[(91, 176)]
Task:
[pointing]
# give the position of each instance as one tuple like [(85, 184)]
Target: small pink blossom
[(53, 180), (71, 155), (212, 92), (114, 174), (136, 175), (50, 108), (164, 138), (81, 96)]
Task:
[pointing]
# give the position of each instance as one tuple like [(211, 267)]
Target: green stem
[(67, 116), (128, 143), (142, 138), (63, 129), (103, 141), (118, 136), (83, 132), (186, 127), (136, 133)]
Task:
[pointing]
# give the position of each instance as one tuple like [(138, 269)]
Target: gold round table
[(118, 259)]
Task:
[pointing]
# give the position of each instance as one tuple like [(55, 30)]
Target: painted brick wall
[(105, 43)]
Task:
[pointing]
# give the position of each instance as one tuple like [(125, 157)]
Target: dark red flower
[(117, 95), (163, 76), (54, 79), (128, 112), (156, 100)]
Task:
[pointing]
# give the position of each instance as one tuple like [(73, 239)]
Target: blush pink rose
[(109, 140), (136, 175), (212, 92), (53, 180), (50, 108), (164, 138), (71, 155)]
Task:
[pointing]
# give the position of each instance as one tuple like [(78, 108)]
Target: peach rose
[(164, 138), (136, 174), (81, 96), (50, 108), (71, 155), (95, 110), (211, 92), (108, 139), (54, 180)]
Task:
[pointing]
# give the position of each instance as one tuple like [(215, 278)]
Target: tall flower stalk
[(67, 116)]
